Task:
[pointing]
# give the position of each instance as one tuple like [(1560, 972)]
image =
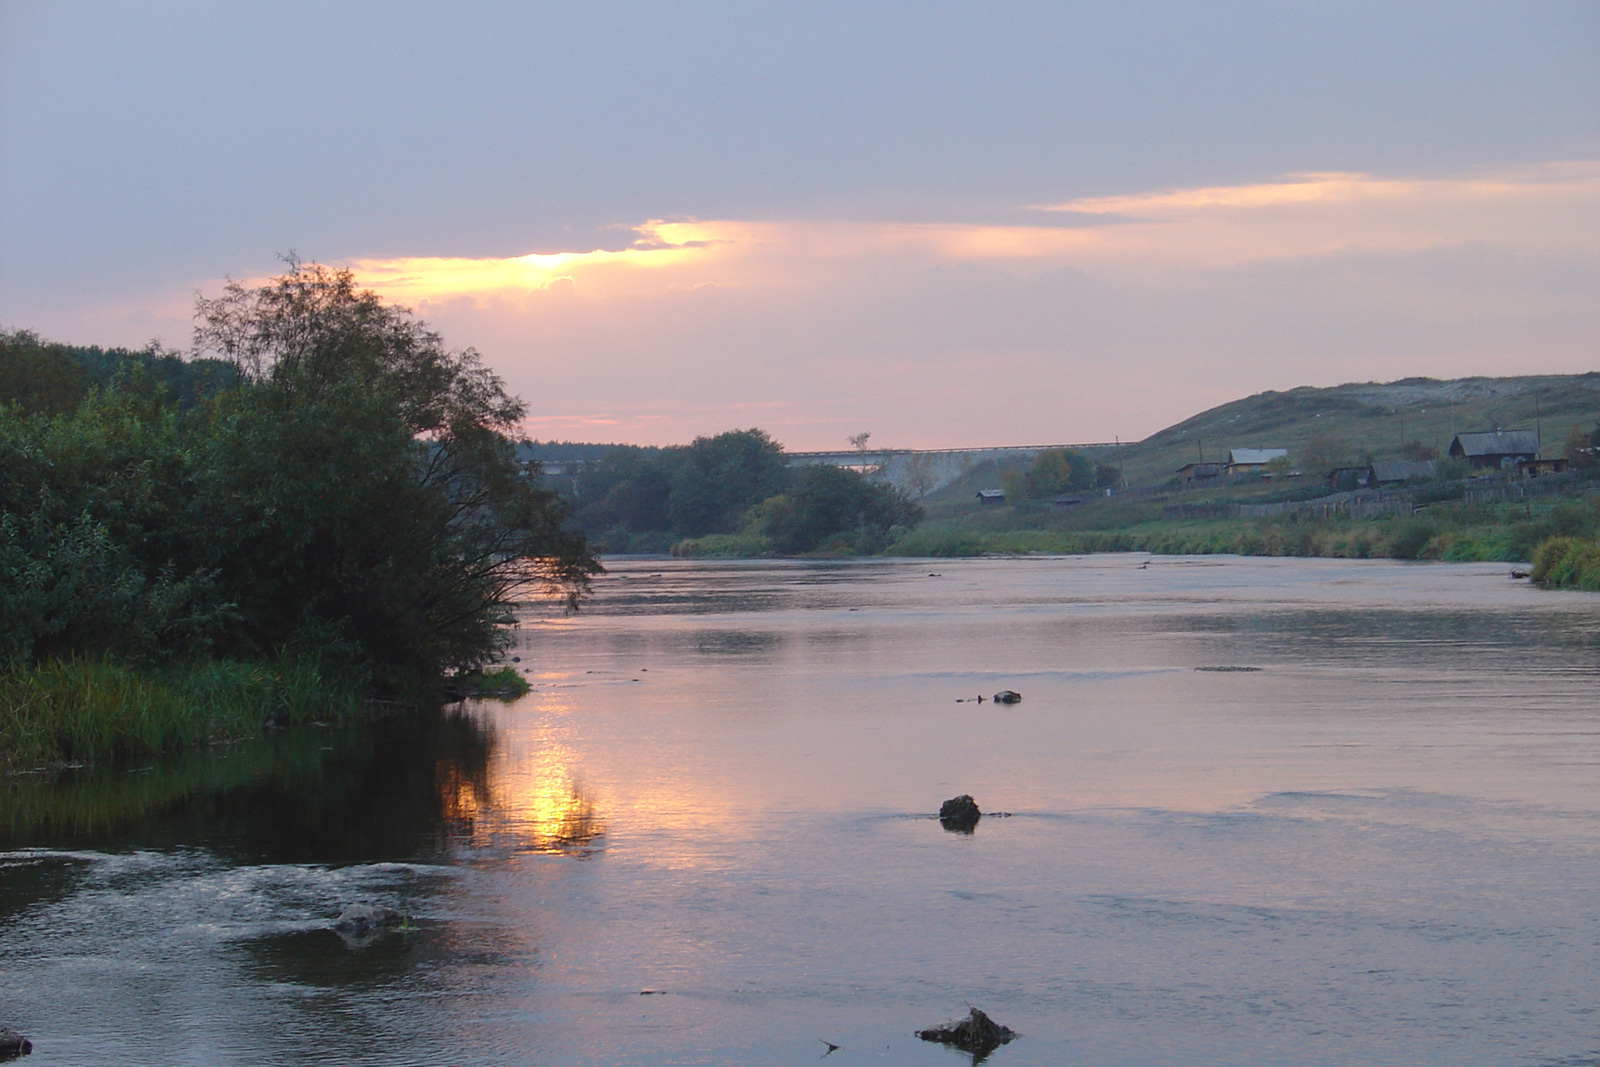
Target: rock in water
[(13, 1044), (361, 919), (1007, 696), (977, 1034), (960, 814)]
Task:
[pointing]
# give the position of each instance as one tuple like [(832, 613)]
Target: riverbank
[(89, 709), (1509, 530)]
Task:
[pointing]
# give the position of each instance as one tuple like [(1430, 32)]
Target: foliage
[(503, 683), (1568, 562), (84, 708), (352, 493), (833, 510), (636, 498), (45, 378), (1054, 471)]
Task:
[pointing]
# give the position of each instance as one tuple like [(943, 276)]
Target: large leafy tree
[(363, 487), (338, 482)]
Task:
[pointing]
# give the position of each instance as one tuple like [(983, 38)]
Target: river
[(707, 835)]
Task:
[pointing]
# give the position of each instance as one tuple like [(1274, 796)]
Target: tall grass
[(1568, 562), (83, 709)]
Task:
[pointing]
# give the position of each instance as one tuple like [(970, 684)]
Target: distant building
[(1538, 468), (991, 496), (1399, 471), (1250, 460), (1199, 472), (1344, 479), (1496, 449)]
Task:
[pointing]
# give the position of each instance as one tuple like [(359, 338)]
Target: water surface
[(1379, 847)]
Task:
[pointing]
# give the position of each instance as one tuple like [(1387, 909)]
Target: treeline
[(329, 502), (737, 486)]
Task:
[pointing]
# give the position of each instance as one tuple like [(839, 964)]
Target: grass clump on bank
[(1568, 563), (503, 683), (88, 708)]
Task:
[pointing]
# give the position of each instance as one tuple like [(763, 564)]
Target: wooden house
[(1496, 449), (1399, 471), (1250, 460), (989, 497), (1199, 472), (1538, 468)]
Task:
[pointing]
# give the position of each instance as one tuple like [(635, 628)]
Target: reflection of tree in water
[(532, 805), (310, 795)]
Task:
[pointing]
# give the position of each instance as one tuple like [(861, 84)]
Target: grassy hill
[(1371, 418)]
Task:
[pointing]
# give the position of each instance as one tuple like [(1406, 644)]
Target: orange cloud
[(1555, 205)]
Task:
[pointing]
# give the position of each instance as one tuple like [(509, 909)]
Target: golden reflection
[(523, 805)]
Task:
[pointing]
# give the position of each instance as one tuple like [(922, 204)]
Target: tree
[(832, 504), (362, 486), (1057, 470)]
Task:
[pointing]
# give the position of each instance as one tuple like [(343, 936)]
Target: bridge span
[(919, 471)]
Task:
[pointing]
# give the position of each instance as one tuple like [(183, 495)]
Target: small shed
[(1249, 460), (1399, 471), (1538, 468), (991, 496), (1496, 449), (1344, 479), (1199, 472)]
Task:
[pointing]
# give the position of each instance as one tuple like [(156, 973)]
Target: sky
[(949, 225)]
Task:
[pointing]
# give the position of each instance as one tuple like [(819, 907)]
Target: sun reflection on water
[(520, 802)]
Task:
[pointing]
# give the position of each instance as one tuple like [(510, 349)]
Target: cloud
[(1173, 299)]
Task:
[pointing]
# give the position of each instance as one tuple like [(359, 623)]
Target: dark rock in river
[(960, 814), (977, 1034), (13, 1044), (363, 920), (1007, 696)]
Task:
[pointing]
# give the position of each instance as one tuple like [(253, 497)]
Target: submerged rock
[(977, 1034), (960, 814), (13, 1045), (367, 919), (1007, 696)]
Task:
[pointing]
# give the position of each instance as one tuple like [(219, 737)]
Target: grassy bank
[(1505, 530), (1568, 563), (83, 709)]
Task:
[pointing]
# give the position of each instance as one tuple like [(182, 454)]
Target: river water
[(706, 836)]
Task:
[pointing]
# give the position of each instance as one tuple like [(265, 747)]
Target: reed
[(89, 708)]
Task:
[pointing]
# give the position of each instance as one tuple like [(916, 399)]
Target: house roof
[(1256, 455), (992, 494), (1496, 443), (1401, 470)]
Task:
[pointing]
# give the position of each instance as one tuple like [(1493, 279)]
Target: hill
[(1371, 418)]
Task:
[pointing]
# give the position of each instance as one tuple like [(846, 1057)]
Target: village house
[(1250, 460), (991, 496), (1495, 449), (1538, 468), (1344, 479), (1399, 471), (1199, 472)]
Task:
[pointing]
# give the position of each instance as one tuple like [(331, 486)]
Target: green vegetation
[(1511, 530), (503, 682), (1326, 427), (346, 495), (82, 709), (732, 495)]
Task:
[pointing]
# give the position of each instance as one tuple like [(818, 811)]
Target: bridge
[(925, 470)]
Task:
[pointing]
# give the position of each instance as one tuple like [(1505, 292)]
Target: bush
[(1567, 562)]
